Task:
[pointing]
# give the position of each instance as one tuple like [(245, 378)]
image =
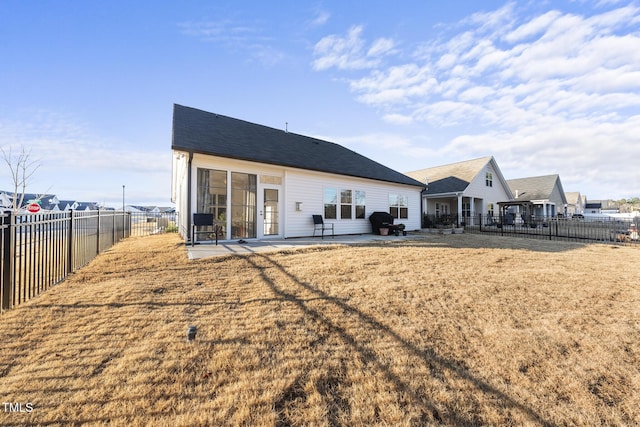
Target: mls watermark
[(17, 407)]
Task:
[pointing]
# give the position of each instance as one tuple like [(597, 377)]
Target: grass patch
[(458, 330)]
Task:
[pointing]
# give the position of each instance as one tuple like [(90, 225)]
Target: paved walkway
[(252, 246)]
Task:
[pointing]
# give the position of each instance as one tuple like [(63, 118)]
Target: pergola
[(523, 206)]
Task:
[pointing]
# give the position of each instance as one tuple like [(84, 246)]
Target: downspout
[(189, 237)]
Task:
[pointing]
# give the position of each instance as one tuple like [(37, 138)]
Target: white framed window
[(330, 203), (346, 201), (488, 179), (466, 209), (399, 206), (361, 202)]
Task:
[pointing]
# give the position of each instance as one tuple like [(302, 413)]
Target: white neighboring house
[(463, 190), (262, 182)]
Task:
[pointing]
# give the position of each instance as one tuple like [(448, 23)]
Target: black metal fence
[(601, 229), (39, 250)]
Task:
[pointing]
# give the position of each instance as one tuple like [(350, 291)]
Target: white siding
[(479, 189), (303, 186), (308, 187), (179, 189)]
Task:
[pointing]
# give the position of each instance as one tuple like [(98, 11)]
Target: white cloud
[(539, 88), (77, 164), (532, 28), (350, 52), (321, 18), (398, 119), (61, 142), (235, 37)]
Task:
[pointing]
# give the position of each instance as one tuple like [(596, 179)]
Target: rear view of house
[(261, 182)]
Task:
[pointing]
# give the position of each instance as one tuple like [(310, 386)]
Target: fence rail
[(600, 230), (39, 250)]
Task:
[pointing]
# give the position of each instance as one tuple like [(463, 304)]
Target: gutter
[(189, 167)]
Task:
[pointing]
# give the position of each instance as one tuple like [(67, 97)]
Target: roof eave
[(249, 159)]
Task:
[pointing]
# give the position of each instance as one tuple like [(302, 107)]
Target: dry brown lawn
[(455, 330)]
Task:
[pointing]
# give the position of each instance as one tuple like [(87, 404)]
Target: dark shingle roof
[(208, 133)]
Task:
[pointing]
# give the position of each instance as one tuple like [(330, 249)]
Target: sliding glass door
[(212, 198), (243, 205)]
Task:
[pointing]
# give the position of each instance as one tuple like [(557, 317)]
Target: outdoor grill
[(385, 220)]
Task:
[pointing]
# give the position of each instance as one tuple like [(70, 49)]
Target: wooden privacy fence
[(39, 250)]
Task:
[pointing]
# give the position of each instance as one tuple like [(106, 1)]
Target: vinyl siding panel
[(307, 187)]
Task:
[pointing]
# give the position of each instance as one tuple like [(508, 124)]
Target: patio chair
[(319, 224), (203, 220)]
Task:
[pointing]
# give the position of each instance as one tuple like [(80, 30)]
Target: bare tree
[(22, 167)]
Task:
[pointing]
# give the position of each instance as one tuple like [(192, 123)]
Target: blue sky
[(544, 87)]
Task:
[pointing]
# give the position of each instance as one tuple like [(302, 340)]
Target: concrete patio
[(205, 250)]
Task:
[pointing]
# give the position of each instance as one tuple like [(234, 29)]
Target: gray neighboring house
[(538, 196), (262, 182)]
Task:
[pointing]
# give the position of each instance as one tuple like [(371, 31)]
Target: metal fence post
[(98, 231), (70, 248), (8, 260)]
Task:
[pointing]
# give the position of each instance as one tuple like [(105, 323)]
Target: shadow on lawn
[(428, 356), (474, 241)]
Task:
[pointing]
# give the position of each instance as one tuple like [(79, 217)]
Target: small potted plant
[(384, 230)]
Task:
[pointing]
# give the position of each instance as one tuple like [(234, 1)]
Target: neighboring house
[(537, 197), (575, 203), (606, 206), (593, 207), (5, 200), (466, 189), (87, 206), (137, 209), (261, 182), (47, 202), (67, 205)]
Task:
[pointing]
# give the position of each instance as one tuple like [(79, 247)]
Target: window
[(466, 209), (490, 209), (243, 205), (441, 209), (212, 195), (345, 204), (399, 206), (488, 179), (268, 179), (361, 201), (330, 203)]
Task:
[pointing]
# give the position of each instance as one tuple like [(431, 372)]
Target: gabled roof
[(208, 133), (573, 197), (90, 206), (451, 178), (535, 188)]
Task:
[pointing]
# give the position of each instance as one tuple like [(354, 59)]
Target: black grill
[(385, 220)]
